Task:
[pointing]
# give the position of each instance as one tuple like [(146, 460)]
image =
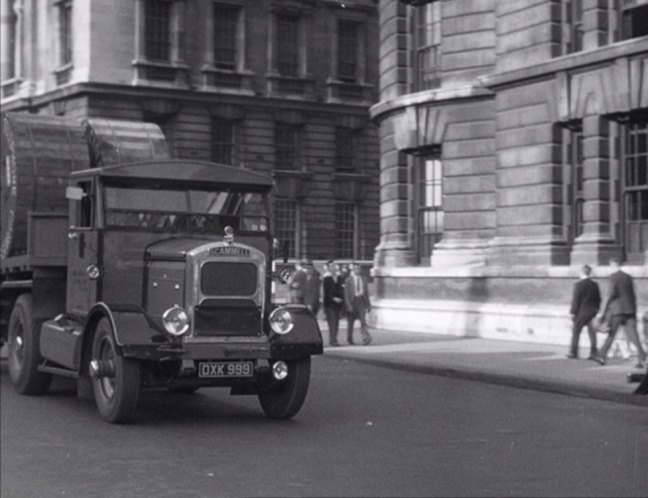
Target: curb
[(466, 373)]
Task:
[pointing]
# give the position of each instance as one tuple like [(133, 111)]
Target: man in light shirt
[(356, 300)]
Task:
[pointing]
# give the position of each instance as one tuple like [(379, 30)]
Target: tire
[(23, 354), (116, 397), (285, 401)]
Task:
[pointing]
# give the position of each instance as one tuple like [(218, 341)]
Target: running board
[(65, 372)]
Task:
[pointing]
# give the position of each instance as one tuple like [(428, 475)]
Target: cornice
[(573, 61), (436, 96)]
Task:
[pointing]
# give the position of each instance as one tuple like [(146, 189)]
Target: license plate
[(220, 369)]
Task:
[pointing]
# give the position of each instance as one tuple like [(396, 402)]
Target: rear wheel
[(116, 391), (284, 401), (23, 354)]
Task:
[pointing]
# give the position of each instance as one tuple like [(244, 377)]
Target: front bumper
[(230, 350)]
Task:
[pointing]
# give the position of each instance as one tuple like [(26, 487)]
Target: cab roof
[(180, 171)]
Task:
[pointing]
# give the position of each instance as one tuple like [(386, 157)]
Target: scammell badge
[(229, 251)]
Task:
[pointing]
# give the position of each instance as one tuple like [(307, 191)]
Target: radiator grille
[(227, 317), (225, 278)]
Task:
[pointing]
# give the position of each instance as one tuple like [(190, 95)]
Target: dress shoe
[(641, 364), (335, 344), (599, 360), (366, 341), (571, 356), (351, 343)]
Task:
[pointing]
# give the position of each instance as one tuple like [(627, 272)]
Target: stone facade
[(111, 74), (521, 85)]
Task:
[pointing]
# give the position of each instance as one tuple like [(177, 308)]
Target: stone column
[(596, 244)]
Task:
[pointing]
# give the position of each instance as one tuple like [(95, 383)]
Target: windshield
[(195, 211)]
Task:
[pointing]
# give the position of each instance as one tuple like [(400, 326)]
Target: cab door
[(83, 249)]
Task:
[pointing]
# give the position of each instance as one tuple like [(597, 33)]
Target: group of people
[(344, 294), (620, 310)]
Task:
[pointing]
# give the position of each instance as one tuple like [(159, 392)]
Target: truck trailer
[(125, 269)]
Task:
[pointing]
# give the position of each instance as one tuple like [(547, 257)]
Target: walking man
[(356, 300), (333, 284), (311, 288), (622, 305), (586, 301)]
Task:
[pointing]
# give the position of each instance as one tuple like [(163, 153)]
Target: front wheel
[(284, 401), (116, 391), (23, 352)]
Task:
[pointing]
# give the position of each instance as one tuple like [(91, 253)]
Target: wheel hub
[(101, 368)]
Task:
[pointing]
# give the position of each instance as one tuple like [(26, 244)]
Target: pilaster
[(596, 244)]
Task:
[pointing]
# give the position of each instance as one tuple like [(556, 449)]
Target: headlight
[(175, 321), (281, 321)]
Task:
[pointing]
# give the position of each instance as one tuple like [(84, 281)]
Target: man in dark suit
[(585, 304), (622, 305), (356, 300), (333, 284)]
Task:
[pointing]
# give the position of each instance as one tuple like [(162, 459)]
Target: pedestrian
[(357, 303), (296, 284), (333, 283), (586, 301), (622, 305), (311, 289)]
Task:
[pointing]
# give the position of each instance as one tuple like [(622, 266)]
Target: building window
[(286, 219), (346, 150), (157, 30), (223, 141), (573, 182), (287, 146), (345, 229), (226, 23), (634, 19), (572, 26), (288, 45), (65, 32), (429, 203), (634, 158), (347, 44), (427, 46)]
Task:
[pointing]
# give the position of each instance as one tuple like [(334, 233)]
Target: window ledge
[(235, 81), (291, 183), (278, 173), (63, 74), (344, 91), (350, 187), (10, 88), (346, 176), (153, 72), (302, 86)]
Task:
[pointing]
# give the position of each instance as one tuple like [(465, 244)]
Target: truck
[(129, 270)]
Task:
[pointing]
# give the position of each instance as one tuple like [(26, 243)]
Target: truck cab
[(167, 285)]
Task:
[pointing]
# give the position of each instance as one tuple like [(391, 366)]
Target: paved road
[(364, 431)]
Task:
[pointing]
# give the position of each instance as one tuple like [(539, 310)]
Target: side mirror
[(74, 193)]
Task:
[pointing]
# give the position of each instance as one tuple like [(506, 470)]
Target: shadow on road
[(157, 408)]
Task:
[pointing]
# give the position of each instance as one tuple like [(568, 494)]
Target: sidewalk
[(540, 367)]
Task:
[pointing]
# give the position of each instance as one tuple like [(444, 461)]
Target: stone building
[(514, 146), (278, 86)]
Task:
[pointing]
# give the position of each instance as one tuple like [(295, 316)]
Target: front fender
[(304, 339), (130, 325)]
